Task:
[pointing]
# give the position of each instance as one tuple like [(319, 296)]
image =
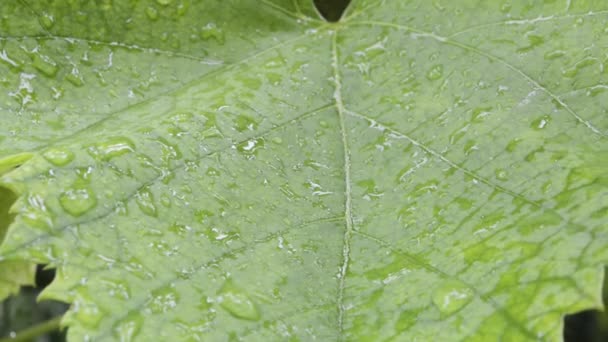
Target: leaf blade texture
[(242, 169)]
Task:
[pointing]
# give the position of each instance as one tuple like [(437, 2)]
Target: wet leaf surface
[(245, 170)]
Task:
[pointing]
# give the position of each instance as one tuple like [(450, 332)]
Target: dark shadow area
[(331, 10), (588, 325), (21, 311)]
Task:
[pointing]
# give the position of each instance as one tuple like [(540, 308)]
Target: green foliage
[(225, 170)]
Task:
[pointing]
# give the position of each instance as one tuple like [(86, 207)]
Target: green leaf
[(225, 170)]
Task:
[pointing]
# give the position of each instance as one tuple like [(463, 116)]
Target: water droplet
[(512, 145), (435, 73), (164, 2), (36, 214), (165, 200), (112, 147), (540, 123), (250, 147), (58, 156), (555, 54), (277, 140), (45, 65), (237, 303), (245, 122), (211, 31), (86, 313), (213, 172), (163, 300), (75, 77), (152, 13), (47, 20), (127, 328), (501, 174), (116, 288), (452, 296), (77, 201), (145, 202)]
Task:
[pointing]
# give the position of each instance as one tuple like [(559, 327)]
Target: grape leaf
[(243, 170)]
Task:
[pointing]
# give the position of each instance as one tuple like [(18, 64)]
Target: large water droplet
[(164, 299), (211, 31), (540, 123), (238, 303), (452, 296), (251, 146), (145, 202), (58, 156), (45, 65), (47, 20), (112, 147), (127, 329), (77, 202)]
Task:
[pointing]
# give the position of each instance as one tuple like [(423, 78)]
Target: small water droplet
[(277, 140), (58, 156), (238, 303), (164, 2), (77, 202), (435, 73), (112, 147), (145, 202), (452, 296)]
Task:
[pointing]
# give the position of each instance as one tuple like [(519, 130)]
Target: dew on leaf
[(145, 202), (540, 123), (211, 31), (87, 312), (554, 54), (47, 20), (7, 60), (110, 148), (250, 146), (117, 288), (46, 65), (36, 214), (245, 122), (77, 202), (163, 299), (451, 296), (435, 72), (58, 156), (501, 174), (127, 329), (237, 302), (75, 77), (152, 13)]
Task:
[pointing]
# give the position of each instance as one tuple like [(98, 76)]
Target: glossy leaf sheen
[(218, 170)]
